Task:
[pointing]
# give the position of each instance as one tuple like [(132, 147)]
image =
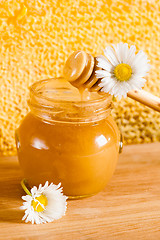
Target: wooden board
[(128, 208)]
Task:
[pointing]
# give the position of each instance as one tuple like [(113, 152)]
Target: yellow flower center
[(40, 203), (123, 72)]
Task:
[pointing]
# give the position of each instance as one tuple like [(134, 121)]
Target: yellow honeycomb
[(37, 36)]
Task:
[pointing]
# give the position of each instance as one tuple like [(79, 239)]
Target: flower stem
[(23, 184), (113, 99)]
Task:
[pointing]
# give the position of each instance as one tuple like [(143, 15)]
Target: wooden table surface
[(128, 208)]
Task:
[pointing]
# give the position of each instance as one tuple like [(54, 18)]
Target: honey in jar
[(68, 139)]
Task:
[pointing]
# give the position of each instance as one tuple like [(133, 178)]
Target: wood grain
[(128, 208), (145, 98)]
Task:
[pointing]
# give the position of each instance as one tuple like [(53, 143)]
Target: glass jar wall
[(68, 140)]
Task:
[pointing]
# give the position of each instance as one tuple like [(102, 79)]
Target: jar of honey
[(68, 139)]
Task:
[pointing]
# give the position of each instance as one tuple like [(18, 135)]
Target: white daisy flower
[(122, 69), (44, 204)]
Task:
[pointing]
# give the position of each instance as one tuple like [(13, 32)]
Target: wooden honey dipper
[(80, 69)]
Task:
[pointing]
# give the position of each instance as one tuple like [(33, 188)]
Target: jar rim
[(33, 90), (47, 102)]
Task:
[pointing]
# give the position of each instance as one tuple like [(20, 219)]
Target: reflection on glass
[(101, 140), (39, 144)]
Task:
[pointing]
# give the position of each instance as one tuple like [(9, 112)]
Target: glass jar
[(68, 140)]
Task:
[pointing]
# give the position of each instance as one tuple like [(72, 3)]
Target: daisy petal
[(140, 58), (107, 86), (104, 63), (111, 56), (131, 55), (33, 190), (26, 198), (125, 52), (54, 209), (117, 51), (121, 82), (102, 73)]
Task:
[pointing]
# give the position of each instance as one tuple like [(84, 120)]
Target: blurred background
[(37, 36)]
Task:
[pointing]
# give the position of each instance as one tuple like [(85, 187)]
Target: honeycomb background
[(37, 36)]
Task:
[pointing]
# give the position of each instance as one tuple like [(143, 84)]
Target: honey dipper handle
[(145, 98)]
